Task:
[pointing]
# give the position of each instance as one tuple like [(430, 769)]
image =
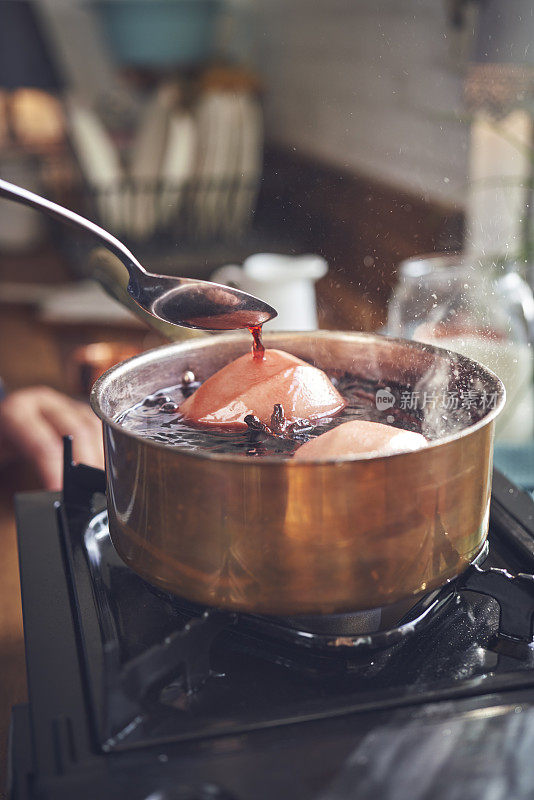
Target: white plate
[(146, 161), (178, 164), (217, 158), (250, 160), (99, 161)]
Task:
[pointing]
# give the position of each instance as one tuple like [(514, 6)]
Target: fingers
[(33, 438), (34, 422), (94, 427), (69, 418)]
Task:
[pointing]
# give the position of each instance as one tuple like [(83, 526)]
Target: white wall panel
[(375, 85)]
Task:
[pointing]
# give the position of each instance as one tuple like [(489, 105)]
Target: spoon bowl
[(198, 304), (188, 302)]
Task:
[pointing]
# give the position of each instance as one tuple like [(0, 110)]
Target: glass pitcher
[(485, 313)]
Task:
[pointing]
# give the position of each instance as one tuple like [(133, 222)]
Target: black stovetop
[(135, 693)]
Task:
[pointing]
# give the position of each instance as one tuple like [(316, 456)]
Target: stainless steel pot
[(282, 537)]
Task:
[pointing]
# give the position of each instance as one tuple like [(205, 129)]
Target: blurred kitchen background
[(350, 138)]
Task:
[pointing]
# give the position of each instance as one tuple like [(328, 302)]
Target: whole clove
[(155, 400), (170, 407), (188, 377), (189, 383)]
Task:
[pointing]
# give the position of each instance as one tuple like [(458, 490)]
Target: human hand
[(33, 422)]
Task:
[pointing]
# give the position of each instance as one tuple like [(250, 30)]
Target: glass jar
[(456, 302)]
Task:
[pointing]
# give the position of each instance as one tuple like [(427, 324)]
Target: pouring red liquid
[(258, 349)]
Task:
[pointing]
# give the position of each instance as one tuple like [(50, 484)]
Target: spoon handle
[(20, 195)]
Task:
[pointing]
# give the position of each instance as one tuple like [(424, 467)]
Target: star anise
[(279, 426)]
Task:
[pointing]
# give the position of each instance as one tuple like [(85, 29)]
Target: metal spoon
[(180, 301)]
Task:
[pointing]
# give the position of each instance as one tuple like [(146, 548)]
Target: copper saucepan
[(274, 536)]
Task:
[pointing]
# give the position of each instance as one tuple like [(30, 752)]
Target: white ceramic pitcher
[(285, 282)]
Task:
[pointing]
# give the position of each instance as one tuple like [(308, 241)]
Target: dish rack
[(156, 212)]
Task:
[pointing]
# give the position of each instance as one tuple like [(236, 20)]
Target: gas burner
[(354, 634), (375, 628), (350, 633)]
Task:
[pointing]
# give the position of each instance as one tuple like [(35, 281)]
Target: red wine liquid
[(157, 418), (258, 350)]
